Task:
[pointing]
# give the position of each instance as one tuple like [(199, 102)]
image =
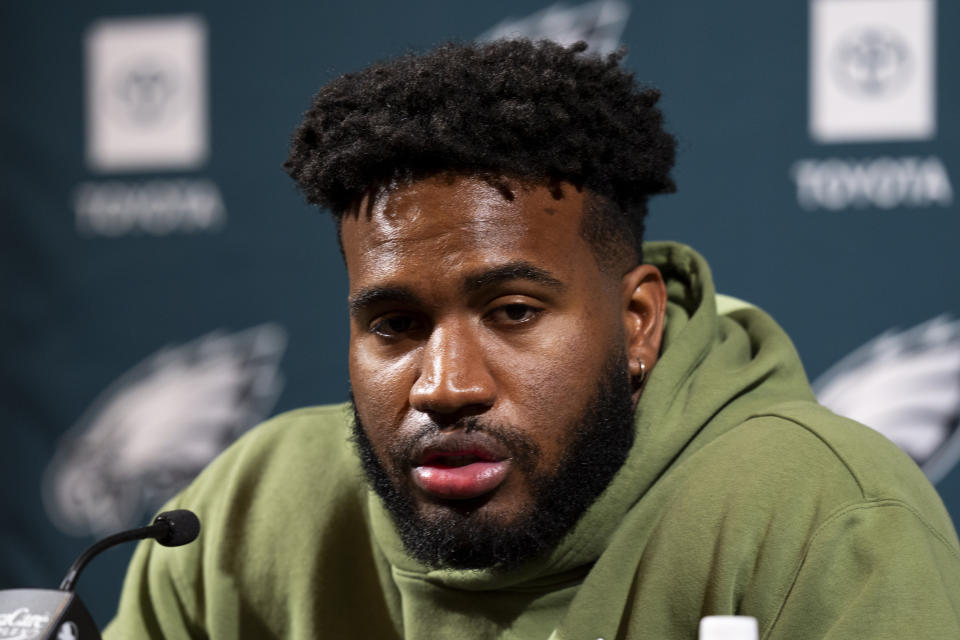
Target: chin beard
[(464, 537)]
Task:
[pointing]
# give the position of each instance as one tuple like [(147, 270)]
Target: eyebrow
[(366, 298), (519, 270)]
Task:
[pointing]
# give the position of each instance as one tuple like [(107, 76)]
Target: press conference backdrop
[(165, 287)]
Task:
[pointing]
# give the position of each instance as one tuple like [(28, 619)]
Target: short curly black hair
[(532, 111)]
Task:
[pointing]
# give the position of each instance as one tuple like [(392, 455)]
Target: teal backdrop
[(164, 286)]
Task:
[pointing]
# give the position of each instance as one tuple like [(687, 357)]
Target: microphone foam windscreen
[(182, 527)]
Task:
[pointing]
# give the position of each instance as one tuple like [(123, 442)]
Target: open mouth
[(460, 473), (449, 459)]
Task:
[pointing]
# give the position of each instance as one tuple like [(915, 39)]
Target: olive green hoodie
[(740, 496)]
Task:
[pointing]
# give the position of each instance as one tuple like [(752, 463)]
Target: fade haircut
[(534, 112)]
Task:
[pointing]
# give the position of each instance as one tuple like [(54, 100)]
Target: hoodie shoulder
[(804, 448), (305, 451), (283, 518)]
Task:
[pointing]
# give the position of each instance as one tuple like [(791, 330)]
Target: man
[(567, 434)]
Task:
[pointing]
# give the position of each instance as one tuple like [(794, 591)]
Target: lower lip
[(460, 483)]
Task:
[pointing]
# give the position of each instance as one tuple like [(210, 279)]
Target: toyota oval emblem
[(872, 62)]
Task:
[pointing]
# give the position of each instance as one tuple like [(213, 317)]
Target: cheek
[(549, 384), (380, 391)]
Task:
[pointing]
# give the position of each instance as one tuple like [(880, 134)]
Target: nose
[(454, 379)]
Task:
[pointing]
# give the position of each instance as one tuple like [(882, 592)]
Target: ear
[(644, 304)]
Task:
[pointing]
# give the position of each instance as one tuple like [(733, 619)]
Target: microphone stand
[(45, 614), (58, 614)]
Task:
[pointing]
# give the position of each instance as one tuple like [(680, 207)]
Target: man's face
[(488, 361)]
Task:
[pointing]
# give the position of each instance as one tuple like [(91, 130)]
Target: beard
[(463, 536)]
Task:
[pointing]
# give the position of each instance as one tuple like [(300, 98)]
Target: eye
[(514, 314), (395, 325)]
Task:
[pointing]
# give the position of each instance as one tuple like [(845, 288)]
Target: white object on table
[(728, 628)]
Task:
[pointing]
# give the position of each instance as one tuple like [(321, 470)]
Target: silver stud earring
[(643, 373)]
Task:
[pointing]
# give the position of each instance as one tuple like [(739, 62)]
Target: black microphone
[(170, 528), (58, 614)]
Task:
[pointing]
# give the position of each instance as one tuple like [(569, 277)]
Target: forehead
[(444, 222)]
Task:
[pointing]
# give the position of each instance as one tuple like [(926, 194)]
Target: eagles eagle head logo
[(158, 425)]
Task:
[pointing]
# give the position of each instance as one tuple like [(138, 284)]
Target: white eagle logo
[(158, 425), (906, 385), (599, 23)]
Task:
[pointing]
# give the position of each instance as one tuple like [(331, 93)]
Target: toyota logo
[(147, 92), (872, 62)]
